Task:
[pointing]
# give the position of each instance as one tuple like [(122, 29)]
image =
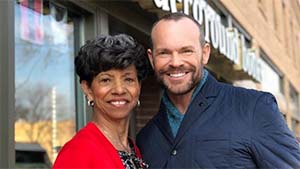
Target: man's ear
[(205, 53), (86, 90), (150, 57)]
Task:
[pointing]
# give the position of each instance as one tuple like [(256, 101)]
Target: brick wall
[(150, 99)]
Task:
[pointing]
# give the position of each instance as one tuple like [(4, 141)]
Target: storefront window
[(44, 76), (271, 81)]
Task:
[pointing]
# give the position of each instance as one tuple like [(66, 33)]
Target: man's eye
[(187, 51), (162, 53)]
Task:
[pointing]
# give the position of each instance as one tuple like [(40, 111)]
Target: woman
[(110, 69)]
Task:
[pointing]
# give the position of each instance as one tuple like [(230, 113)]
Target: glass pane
[(294, 101), (295, 124), (271, 79), (44, 79)]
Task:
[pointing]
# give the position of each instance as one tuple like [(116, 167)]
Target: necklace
[(115, 141)]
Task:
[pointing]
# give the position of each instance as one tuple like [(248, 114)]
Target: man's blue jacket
[(224, 127)]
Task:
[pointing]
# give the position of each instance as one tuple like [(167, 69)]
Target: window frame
[(7, 96)]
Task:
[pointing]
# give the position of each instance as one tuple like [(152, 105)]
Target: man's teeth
[(177, 74), (118, 102)]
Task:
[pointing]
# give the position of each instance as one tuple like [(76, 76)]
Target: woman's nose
[(119, 88)]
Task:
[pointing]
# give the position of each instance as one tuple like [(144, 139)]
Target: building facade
[(255, 44)]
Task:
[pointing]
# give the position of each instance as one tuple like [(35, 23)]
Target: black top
[(130, 160)]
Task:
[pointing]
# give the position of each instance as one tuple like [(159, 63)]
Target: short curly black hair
[(108, 52)]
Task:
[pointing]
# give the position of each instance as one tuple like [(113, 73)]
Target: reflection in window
[(273, 81), (295, 127), (281, 85), (44, 75), (294, 99)]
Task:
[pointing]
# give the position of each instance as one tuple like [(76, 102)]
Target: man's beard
[(180, 89)]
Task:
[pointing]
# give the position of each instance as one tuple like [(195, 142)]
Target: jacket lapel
[(162, 122), (198, 106)]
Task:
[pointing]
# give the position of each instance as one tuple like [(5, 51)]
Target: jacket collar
[(211, 88)]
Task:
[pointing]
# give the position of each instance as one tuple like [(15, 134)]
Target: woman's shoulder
[(83, 139), (75, 152), (89, 135), (82, 149), (88, 132)]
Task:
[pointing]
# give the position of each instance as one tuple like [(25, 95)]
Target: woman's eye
[(129, 80), (106, 80)]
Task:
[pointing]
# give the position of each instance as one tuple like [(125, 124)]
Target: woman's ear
[(86, 90)]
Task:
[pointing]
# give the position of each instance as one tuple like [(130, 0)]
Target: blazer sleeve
[(272, 143)]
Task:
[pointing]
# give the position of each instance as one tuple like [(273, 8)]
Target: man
[(202, 123)]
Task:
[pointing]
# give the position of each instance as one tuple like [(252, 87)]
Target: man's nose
[(176, 60)]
